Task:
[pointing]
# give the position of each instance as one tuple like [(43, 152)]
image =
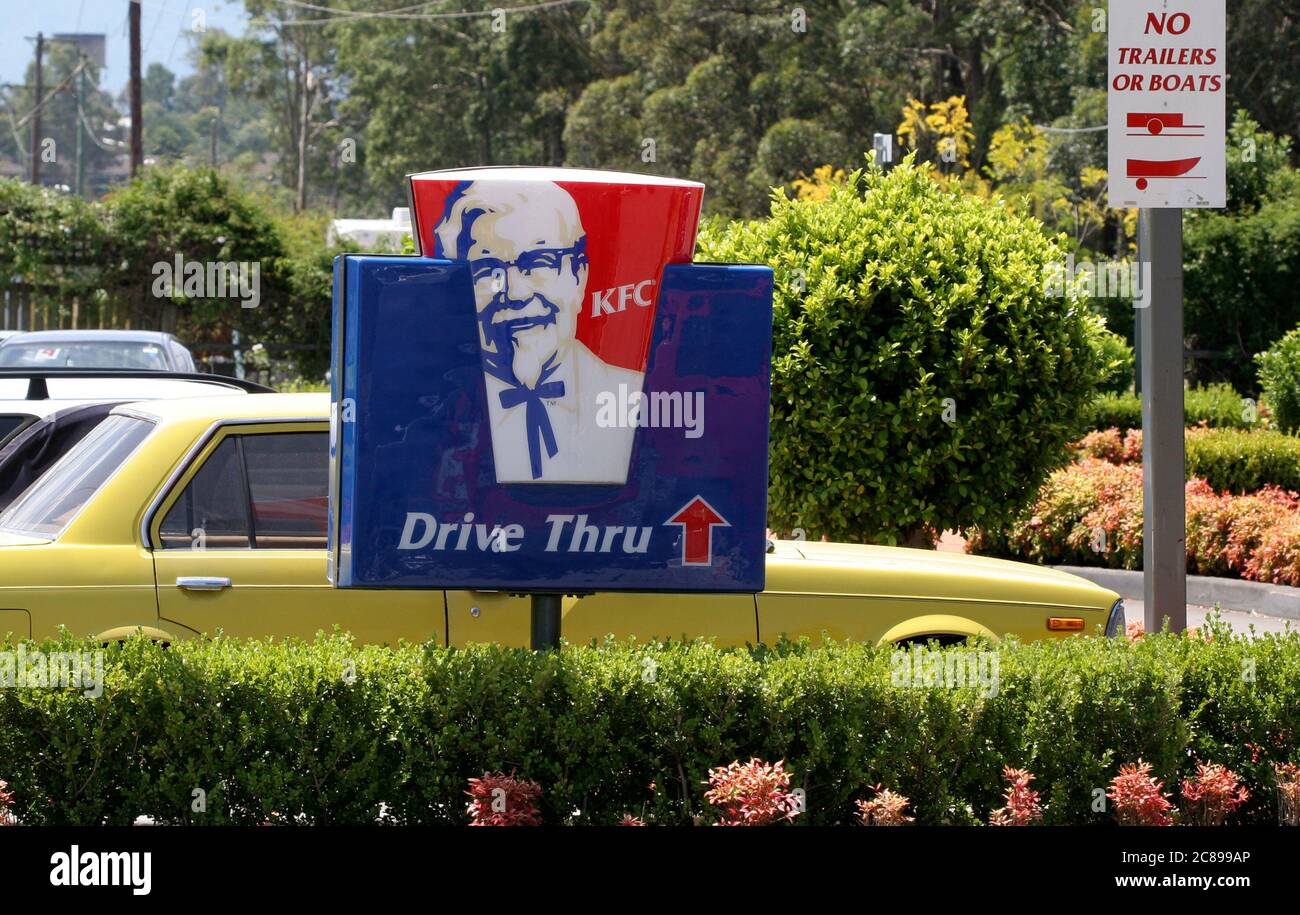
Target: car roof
[(68, 336), (311, 406)]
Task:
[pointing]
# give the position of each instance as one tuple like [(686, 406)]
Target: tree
[(1240, 264), (288, 62)]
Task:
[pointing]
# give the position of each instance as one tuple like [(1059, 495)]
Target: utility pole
[(81, 124), (36, 114), (304, 87), (213, 152), (137, 125)]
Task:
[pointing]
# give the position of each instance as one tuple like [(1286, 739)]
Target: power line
[(405, 14), (91, 133), (53, 92), (156, 22), (1047, 129)]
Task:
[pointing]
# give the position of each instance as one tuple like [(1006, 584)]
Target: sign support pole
[(546, 611), (1164, 545)]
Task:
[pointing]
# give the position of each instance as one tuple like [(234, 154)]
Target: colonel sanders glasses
[(546, 263)]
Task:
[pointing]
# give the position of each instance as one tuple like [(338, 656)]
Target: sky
[(165, 27)]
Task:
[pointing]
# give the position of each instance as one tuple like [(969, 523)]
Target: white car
[(30, 394), (143, 350)]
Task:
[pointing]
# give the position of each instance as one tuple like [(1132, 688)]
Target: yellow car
[(189, 516)]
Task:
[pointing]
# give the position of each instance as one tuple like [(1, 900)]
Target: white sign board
[(1167, 83)]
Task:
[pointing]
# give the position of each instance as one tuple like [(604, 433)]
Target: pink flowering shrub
[(1210, 797), (887, 808), (1104, 444), (503, 800), (752, 794), (1022, 807), (1138, 797), (1090, 513)]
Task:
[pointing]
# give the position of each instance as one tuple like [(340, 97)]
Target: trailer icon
[(1155, 123)]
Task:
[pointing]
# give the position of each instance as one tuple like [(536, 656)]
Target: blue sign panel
[(451, 469)]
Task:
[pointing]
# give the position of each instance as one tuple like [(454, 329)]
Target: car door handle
[(203, 583)]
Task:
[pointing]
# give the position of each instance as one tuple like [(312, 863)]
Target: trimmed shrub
[(1229, 460), (922, 377), (329, 732), (1279, 380), (1217, 406), (1234, 461)]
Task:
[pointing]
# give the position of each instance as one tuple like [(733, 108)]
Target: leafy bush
[(1279, 380), (1217, 406), (1091, 514), (922, 378), (43, 232), (328, 732)]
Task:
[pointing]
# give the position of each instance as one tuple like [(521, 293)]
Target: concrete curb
[(1203, 591)]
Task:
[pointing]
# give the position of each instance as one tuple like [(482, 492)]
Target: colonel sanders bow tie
[(537, 423)]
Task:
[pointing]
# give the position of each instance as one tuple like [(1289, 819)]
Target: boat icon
[(1142, 169)]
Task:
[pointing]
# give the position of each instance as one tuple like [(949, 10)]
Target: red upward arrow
[(697, 518)]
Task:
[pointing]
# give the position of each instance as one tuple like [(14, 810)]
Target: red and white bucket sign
[(566, 266), (1166, 110)]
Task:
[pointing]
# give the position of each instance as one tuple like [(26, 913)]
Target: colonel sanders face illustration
[(527, 253)]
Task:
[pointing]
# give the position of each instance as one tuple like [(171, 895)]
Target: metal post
[(36, 112), (1164, 546), (81, 126), (137, 123), (546, 622), (239, 354)]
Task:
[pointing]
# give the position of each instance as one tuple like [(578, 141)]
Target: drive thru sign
[(550, 398), (1166, 103)]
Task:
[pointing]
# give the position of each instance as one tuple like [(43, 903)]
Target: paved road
[(1240, 620)]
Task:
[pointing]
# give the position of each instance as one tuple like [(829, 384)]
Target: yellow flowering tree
[(940, 132)]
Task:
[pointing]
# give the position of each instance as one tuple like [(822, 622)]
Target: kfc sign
[(551, 396)]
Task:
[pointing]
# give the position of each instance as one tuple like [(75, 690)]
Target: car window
[(265, 491), (288, 482), (212, 512), (96, 354), (34, 450), (49, 504), (181, 358)]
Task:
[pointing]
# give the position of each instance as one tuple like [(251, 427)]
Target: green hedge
[(1232, 460), (284, 733), (1216, 405), (1229, 460)]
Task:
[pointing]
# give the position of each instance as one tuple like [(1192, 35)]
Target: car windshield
[(49, 504), (85, 354)]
